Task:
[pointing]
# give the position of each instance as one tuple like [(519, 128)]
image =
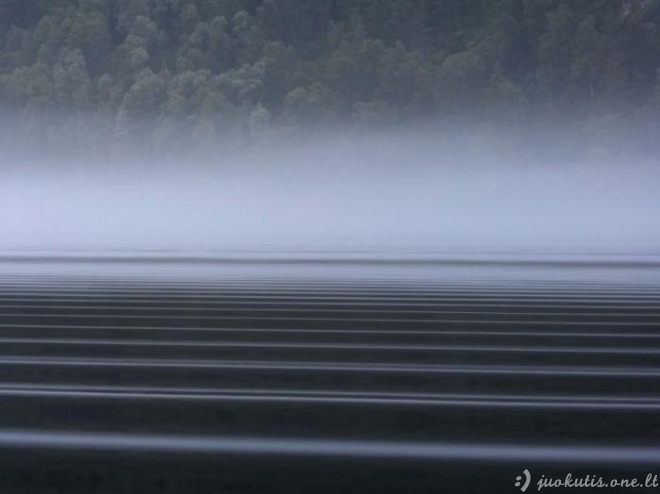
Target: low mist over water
[(387, 193)]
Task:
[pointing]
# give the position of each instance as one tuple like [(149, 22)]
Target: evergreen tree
[(187, 70)]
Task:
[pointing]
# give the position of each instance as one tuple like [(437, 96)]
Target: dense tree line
[(162, 74)]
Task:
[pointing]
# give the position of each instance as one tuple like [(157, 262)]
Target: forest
[(169, 75)]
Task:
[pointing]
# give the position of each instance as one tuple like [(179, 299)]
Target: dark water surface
[(326, 375)]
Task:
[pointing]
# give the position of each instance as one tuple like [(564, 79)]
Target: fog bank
[(387, 194)]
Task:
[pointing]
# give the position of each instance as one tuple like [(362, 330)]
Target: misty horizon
[(383, 194), (268, 125)]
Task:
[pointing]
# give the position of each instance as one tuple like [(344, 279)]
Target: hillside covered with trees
[(173, 74)]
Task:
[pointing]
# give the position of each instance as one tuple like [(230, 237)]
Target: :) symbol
[(528, 477)]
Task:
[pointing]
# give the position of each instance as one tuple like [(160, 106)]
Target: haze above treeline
[(163, 76)]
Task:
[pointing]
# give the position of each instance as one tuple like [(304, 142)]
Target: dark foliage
[(171, 72)]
